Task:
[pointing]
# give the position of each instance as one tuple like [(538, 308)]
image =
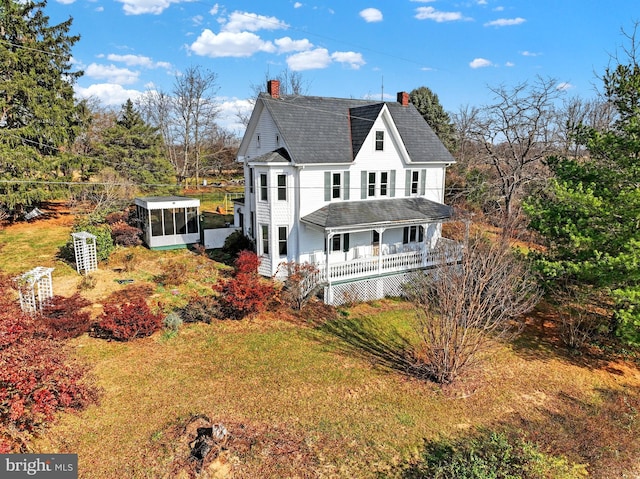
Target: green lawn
[(329, 399), (328, 392)]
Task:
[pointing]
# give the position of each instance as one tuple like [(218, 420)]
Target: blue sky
[(346, 48)]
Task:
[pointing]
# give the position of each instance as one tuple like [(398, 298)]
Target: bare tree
[(291, 83), (517, 132), (156, 107), (301, 282), (219, 153), (186, 118), (577, 114), (462, 308), (196, 110)]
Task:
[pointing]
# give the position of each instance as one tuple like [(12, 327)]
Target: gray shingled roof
[(331, 130), (275, 156), (388, 212)]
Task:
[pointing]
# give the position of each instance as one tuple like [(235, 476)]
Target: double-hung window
[(379, 140), (371, 184), (282, 187), (336, 185), (282, 240), (415, 181), (263, 187), (265, 238)]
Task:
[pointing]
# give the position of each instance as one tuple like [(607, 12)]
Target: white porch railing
[(389, 263)]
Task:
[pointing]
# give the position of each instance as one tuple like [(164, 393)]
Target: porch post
[(426, 253), (327, 248), (380, 233)]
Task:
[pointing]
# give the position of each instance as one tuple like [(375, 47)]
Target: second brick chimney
[(403, 98), (273, 88)]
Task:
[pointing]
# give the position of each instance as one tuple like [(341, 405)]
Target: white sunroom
[(169, 222)]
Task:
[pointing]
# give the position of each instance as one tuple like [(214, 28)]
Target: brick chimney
[(403, 98), (273, 88)]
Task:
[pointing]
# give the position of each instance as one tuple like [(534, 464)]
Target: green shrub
[(237, 242), (489, 455), (104, 242), (172, 321)]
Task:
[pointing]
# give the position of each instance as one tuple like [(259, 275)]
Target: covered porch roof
[(371, 214)]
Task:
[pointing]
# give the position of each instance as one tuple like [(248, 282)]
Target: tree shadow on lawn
[(382, 346), (541, 339), (600, 431)]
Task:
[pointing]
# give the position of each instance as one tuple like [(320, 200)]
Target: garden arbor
[(35, 289)]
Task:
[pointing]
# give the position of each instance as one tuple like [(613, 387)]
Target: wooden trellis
[(84, 246), (35, 289)]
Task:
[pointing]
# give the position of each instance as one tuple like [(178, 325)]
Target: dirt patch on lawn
[(237, 449)]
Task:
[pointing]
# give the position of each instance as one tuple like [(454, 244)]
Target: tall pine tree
[(38, 119), (134, 149), (590, 214)]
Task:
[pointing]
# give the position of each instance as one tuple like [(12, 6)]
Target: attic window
[(258, 141), (379, 140), (278, 140)]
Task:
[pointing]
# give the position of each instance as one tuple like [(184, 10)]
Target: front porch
[(371, 248), (404, 258)]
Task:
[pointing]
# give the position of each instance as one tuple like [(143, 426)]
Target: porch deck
[(383, 264)]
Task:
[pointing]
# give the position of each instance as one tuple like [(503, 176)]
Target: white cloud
[(140, 7), (66, 2), (354, 60), (505, 22), (228, 111), (287, 45), (564, 86), (530, 54), (430, 13), (480, 63), (297, 5), (109, 94), (228, 44), (482, 2), (498, 9), (137, 60), (311, 60), (371, 15), (111, 73), (252, 22), (214, 10), (509, 64)]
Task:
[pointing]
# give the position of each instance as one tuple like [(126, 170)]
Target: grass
[(332, 399), (324, 386)]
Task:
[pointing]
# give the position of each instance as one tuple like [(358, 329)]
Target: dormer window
[(379, 140)]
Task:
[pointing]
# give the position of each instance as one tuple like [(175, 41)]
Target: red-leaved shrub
[(247, 262), (36, 380), (126, 321), (64, 318), (245, 293), (125, 235)]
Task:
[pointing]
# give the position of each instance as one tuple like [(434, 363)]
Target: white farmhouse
[(353, 186)]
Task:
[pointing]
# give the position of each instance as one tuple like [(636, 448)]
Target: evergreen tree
[(591, 211), (135, 149), (428, 104), (38, 117)]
